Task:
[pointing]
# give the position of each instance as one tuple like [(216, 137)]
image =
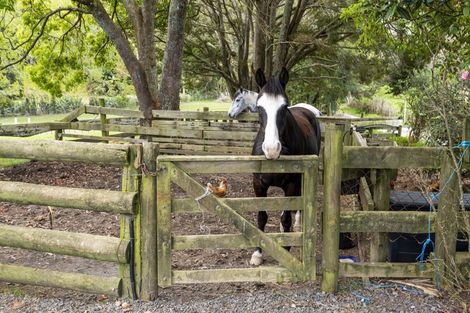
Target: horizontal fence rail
[(44, 277), (47, 150), (240, 164), (95, 247), (66, 197)]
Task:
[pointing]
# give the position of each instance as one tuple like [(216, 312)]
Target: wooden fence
[(176, 132), (146, 214), (176, 169), (135, 209), (375, 217)]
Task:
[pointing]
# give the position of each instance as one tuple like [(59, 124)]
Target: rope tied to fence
[(435, 197)]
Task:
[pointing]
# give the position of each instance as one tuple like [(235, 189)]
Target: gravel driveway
[(380, 297)]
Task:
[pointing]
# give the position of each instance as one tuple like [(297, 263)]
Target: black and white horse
[(244, 100), (283, 130)]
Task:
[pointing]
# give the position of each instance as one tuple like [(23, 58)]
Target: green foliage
[(437, 107), (405, 142), (417, 32)]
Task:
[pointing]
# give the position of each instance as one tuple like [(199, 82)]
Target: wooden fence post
[(103, 119), (379, 245), (164, 172), (446, 221), (466, 136), (148, 223), (309, 220), (333, 155), (130, 182)]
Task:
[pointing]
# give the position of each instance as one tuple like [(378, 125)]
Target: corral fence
[(146, 241), (177, 169), (134, 205), (372, 169)]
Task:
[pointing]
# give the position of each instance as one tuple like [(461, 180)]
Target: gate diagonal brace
[(248, 230)]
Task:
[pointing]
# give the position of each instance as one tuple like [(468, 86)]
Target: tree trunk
[(135, 68), (259, 44), (270, 31), (283, 46), (172, 61), (243, 52)]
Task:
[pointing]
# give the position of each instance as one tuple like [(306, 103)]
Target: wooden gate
[(177, 169)]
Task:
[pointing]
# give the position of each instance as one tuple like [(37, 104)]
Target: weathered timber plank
[(101, 138), (74, 114), (49, 278), (309, 220), (231, 135), (386, 221), (148, 229), (332, 166), (466, 136), (258, 274), (379, 244), (164, 176), (447, 218), (215, 115), (232, 164), (47, 150), (130, 183), (251, 232), (25, 130), (140, 130), (228, 149), (229, 143), (113, 111), (391, 157), (230, 241), (66, 197), (388, 270), (253, 204), (367, 202), (95, 247)]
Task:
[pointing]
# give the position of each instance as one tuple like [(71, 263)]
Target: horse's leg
[(297, 223), (292, 189), (260, 191)]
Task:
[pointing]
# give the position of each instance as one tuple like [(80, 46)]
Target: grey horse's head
[(242, 100)]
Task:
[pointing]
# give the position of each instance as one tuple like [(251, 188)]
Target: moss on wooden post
[(164, 172), (103, 119), (130, 182), (49, 278), (149, 223), (447, 219), (89, 246), (309, 221), (333, 155), (381, 195), (466, 136), (66, 197)]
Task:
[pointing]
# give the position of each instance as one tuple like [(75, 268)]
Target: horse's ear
[(260, 78), (283, 77)]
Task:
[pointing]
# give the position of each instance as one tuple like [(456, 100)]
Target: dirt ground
[(106, 177)]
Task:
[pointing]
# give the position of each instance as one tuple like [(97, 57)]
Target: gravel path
[(381, 297)]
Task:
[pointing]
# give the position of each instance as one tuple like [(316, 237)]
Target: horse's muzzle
[(272, 151)]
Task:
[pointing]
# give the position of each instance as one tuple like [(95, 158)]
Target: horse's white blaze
[(256, 258), (309, 107), (271, 144)]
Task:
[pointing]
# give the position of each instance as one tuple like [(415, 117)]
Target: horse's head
[(272, 106), (239, 104)]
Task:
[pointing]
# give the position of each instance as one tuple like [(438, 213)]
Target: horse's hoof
[(256, 258)]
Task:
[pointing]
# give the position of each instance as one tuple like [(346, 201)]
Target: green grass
[(355, 112), (213, 105)]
